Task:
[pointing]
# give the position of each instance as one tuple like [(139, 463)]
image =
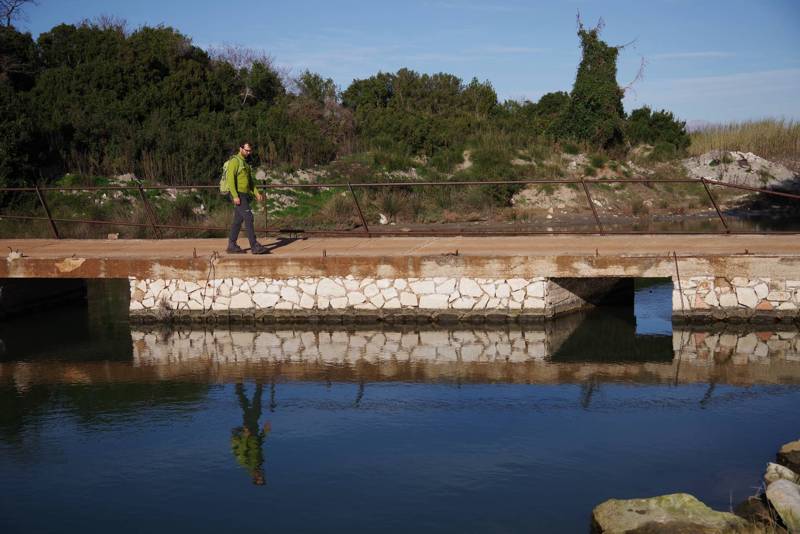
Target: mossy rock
[(678, 512)]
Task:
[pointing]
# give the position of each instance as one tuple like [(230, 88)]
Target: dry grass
[(773, 139)]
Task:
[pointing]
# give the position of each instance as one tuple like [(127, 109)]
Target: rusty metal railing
[(156, 226)]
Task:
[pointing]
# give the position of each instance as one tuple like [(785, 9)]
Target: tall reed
[(774, 139)]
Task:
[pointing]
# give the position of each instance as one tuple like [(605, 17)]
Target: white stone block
[(352, 285), (371, 290), (241, 301), (180, 296), (711, 299), (783, 306), (355, 297), (148, 302), (433, 302), (446, 287), (309, 289), (384, 283), (425, 287), (284, 305), (378, 301), (481, 304), (259, 287), (136, 305), (274, 288), (323, 303), (489, 289), (779, 296), (533, 304), (293, 282), (365, 306), (408, 299), (389, 293), (493, 304), (518, 296), (747, 296), (503, 291), (536, 290), (265, 300), (392, 304), (762, 290), (290, 294), (156, 286), (330, 289), (517, 283), (307, 302), (339, 303), (740, 282), (514, 305), (464, 303), (728, 300), (195, 305), (400, 284), (469, 288), (452, 297)]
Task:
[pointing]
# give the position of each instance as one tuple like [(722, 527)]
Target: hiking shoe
[(234, 249), (259, 249)]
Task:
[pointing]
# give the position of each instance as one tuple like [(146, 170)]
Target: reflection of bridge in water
[(583, 348)]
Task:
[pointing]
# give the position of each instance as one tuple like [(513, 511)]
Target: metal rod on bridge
[(358, 207), (150, 213), (591, 205), (714, 202), (53, 227)]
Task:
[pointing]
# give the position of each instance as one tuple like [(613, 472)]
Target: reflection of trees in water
[(247, 441)]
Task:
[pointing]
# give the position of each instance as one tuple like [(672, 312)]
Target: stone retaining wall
[(339, 294), (736, 298), (700, 298)]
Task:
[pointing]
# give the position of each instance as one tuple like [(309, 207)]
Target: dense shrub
[(655, 128)]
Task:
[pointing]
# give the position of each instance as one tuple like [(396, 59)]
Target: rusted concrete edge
[(785, 267)]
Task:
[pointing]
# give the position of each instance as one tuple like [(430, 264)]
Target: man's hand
[(259, 197), (237, 201)]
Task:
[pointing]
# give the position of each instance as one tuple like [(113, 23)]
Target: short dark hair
[(241, 145)]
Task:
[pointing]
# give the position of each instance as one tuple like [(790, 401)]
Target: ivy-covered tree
[(595, 114)]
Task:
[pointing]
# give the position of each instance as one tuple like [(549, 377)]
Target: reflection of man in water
[(247, 441)]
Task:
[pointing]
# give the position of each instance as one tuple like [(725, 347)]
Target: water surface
[(443, 430)]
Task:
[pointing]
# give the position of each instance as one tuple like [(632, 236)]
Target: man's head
[(245, 149)]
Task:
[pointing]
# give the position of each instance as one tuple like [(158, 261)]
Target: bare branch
[(12, 9), (639, 77)]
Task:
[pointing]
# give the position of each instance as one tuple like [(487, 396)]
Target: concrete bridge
[(403, 279)]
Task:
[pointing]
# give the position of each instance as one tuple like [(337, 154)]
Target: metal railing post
[(358, 207), (150, 213), (591, 205), (53, 227), (714, 202)]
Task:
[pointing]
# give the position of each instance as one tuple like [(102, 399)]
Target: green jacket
[(240, 177)]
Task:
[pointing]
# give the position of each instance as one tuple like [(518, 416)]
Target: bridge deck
[(551, 255)]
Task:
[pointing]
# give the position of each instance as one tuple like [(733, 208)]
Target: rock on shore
[(789, 456), (675, 513)]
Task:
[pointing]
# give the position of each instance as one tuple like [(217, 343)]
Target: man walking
[(242, 188)]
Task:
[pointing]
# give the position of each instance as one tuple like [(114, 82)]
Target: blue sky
[(705, 60)]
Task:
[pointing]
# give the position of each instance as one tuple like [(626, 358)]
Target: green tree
[(595, 113)]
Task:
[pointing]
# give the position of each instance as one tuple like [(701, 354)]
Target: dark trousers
[(243, 214)]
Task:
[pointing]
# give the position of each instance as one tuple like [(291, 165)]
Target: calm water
[(461, 430)]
